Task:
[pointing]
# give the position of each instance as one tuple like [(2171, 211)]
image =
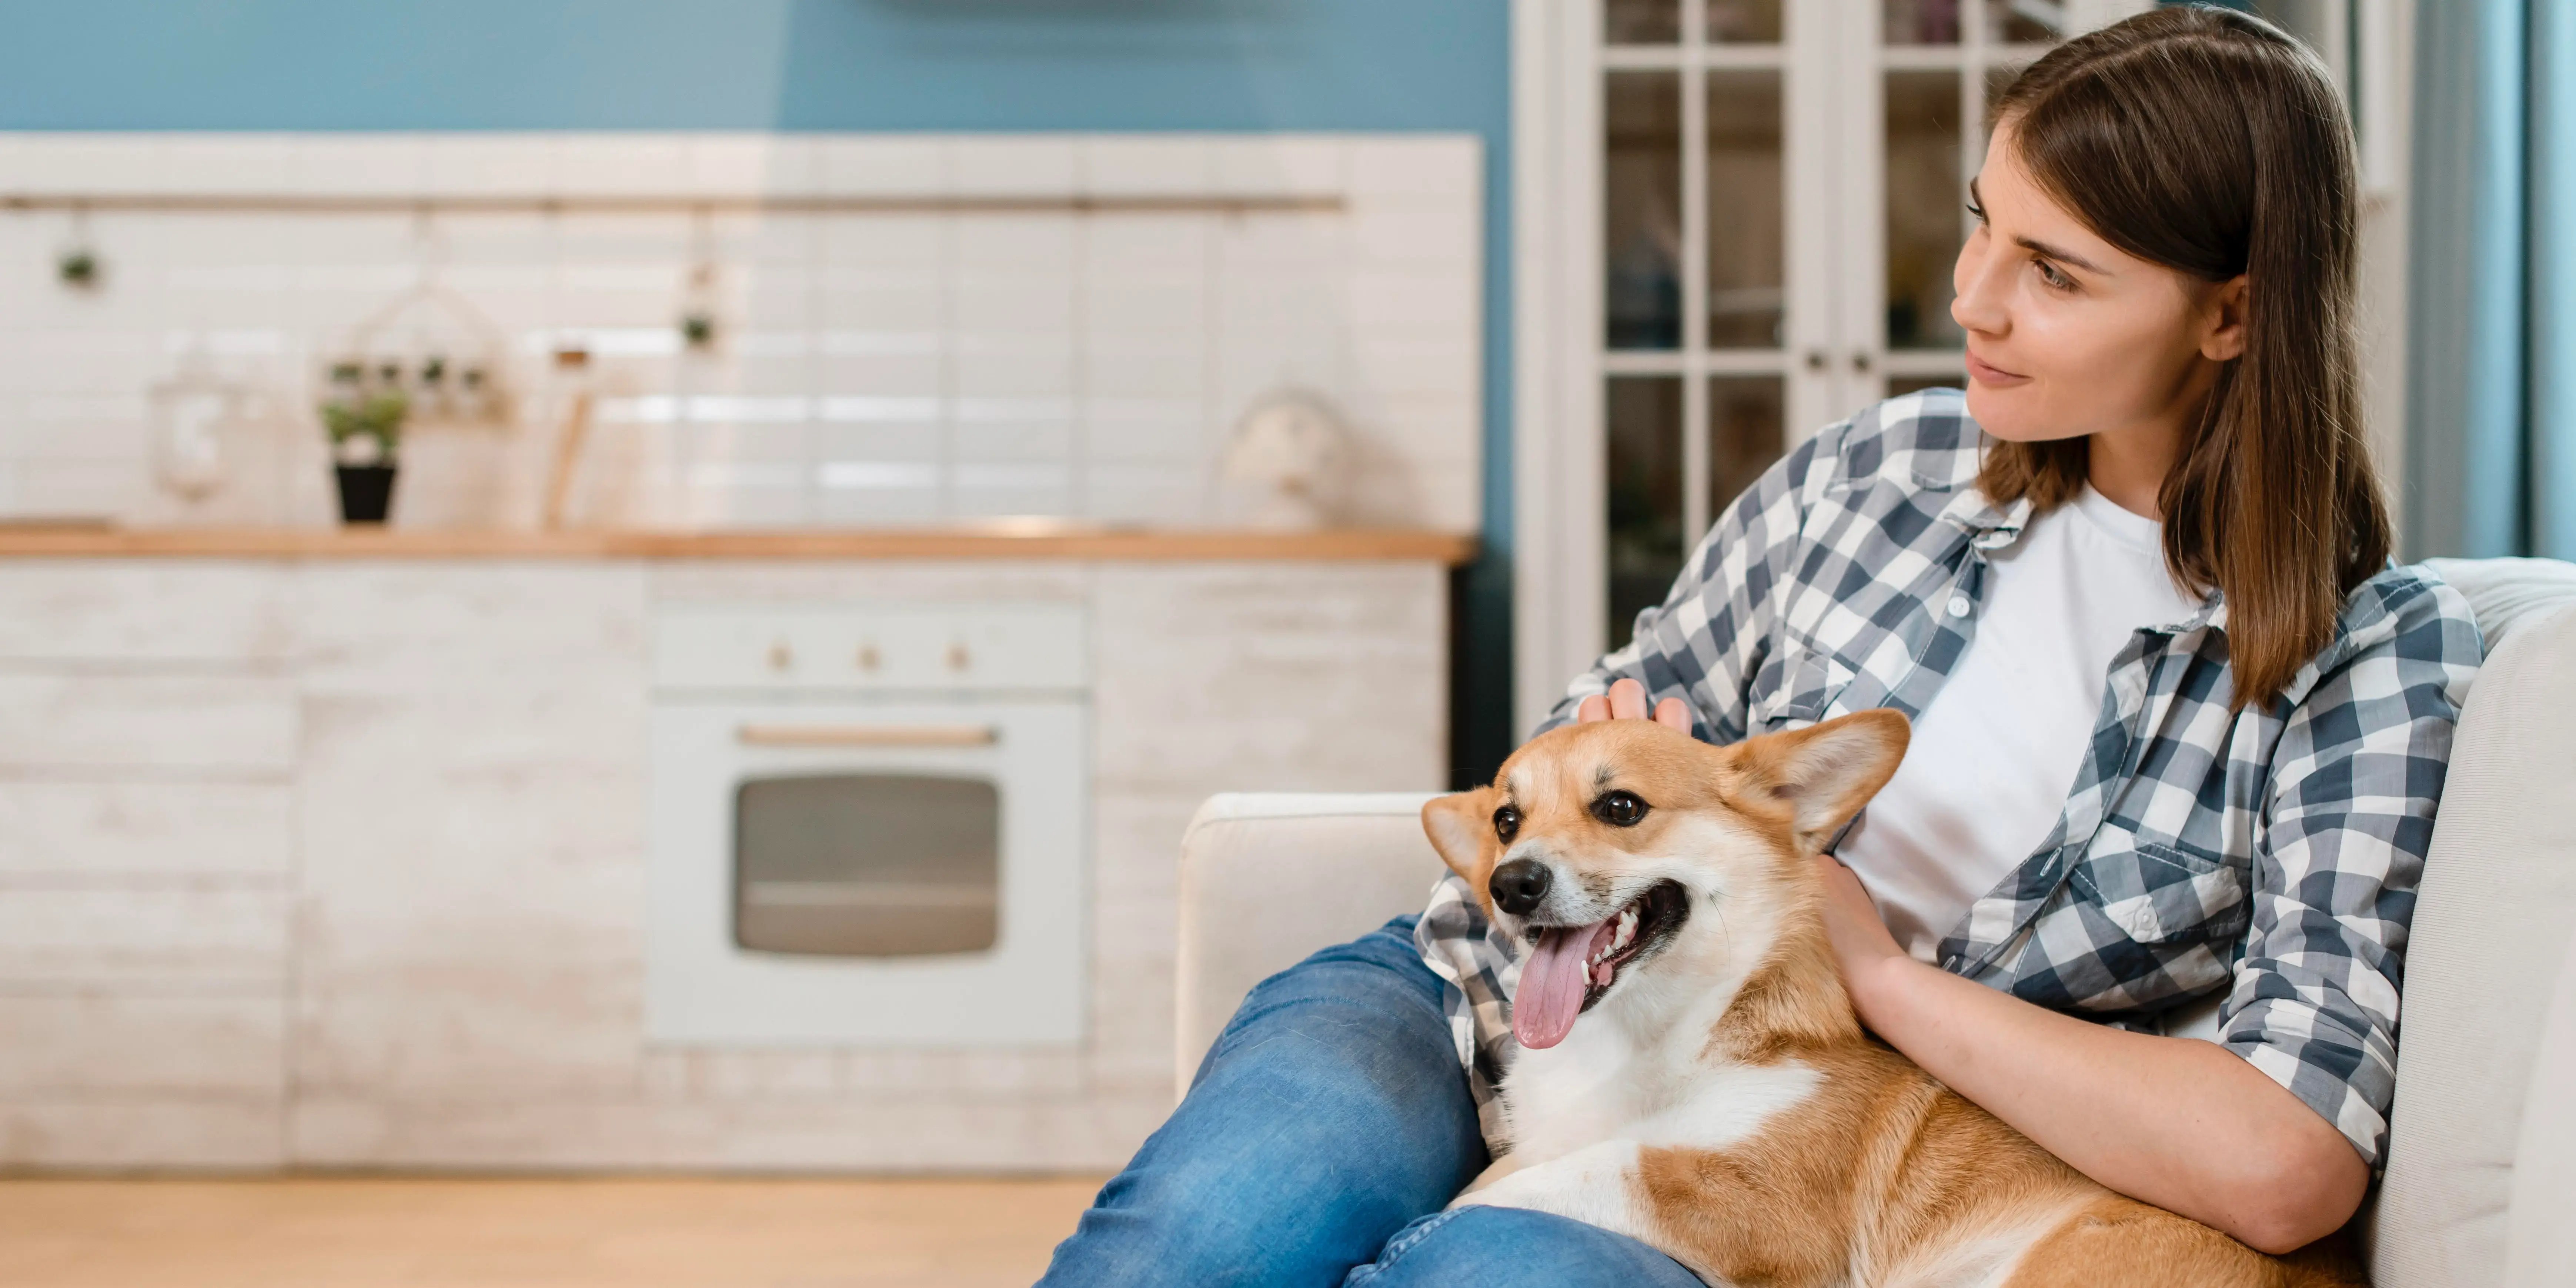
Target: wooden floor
[(629, 1233)]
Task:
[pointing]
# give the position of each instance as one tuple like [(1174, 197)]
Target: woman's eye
[(1977, 212), (1619, 809), (2048, 273), (1507, 823)]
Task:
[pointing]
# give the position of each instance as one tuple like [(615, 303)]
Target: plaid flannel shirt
[(2273, 853)]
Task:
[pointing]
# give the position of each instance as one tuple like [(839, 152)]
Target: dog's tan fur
[(1878, 1175)]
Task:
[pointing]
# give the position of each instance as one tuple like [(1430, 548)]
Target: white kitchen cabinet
[(352, 872), (148, 749)]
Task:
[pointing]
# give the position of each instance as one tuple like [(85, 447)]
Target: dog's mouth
[(1570, 968)]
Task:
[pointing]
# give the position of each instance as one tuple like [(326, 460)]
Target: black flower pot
[(366, 492)]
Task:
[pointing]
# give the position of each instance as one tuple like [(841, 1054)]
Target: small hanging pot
[(365, 423), (366, 492)]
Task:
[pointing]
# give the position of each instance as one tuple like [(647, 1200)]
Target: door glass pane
[(1998, 78), (1925, 208), (1744, 435), (1921, 22), (1744, 22), (1745, 205), (2025, 22), (1897, 386), (867, 865), (1644, 424), (1641, 22), (1641, 222)]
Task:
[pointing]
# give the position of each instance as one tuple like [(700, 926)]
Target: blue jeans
[(1323, 1134)]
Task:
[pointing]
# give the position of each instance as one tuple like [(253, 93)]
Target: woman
[(2159, 573)]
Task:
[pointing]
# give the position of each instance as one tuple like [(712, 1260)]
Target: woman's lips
[(1986, 373)]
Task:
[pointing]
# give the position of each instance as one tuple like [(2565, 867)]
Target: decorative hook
[(698, 309), (78, 265)]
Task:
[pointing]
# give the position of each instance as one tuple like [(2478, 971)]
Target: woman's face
[(2068, 335)]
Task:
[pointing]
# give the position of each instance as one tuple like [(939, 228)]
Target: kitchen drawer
[(187, 612), (86, 1044), (198, 938), (153, 825), (219, 724), (968, 647)]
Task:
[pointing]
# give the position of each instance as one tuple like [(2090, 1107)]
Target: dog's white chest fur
[(1581, 1111), (1600, 1085)]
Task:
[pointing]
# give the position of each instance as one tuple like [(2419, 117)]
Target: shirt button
[(1958, 605)]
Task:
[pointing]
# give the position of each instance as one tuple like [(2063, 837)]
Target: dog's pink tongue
[(1551, 987)]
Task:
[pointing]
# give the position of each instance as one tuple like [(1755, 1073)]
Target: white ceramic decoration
[(1288, 466)]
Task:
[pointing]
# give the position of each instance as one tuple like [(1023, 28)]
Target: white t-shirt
[(1996, 752)]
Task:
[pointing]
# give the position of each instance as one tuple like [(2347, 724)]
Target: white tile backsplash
[(1285, 165), (1002, 165), (897, 165), (1170, 165), (1064, 337)]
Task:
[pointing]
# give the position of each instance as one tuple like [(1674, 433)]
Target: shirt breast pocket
[(2158, 893), (1810, 684)]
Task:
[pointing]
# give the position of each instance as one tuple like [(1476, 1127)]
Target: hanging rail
[(650, 203)]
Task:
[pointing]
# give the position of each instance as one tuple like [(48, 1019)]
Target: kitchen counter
[(1006, 540)]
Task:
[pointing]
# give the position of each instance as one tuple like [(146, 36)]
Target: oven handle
[(934, 735)]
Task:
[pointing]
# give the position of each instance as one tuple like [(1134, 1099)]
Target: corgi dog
[(1691, 1071)]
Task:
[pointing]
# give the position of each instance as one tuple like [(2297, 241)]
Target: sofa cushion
[(2541, 1249), (2492, 923)]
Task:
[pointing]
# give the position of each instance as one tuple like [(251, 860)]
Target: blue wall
[(825, 65)]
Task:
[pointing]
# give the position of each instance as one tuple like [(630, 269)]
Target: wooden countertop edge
[(1353, 544)]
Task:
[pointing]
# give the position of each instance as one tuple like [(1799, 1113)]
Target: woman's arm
[(2271, 1135), (2183, 1124)]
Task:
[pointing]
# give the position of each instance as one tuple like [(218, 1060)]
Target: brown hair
[(2209, 142)]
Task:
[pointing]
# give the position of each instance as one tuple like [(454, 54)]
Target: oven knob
[(781, 657), (957, 658), (868, 657)]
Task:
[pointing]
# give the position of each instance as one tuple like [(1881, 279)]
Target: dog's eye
[(1507, 823), (1619, 809)]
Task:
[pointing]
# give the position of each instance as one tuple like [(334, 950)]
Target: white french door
[(1781, 190), (1782, 197)]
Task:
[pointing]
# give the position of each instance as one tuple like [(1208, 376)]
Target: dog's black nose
[(1519, 885)]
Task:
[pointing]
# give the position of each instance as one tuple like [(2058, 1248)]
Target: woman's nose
[(1977, 296)]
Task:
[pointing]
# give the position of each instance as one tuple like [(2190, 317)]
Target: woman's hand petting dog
[(1627, 701)]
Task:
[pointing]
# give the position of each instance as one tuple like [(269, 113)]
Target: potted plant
[(365, 425)]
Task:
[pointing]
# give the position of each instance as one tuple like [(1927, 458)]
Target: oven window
[(866, 865)]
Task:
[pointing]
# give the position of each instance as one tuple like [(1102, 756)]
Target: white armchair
[(2482, 1151)]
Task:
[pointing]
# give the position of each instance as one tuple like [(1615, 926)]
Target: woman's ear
[(2224, 340)]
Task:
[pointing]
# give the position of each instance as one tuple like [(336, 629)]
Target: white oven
[(869, 826)]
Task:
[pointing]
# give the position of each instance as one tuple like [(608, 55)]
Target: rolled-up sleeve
[(2355, 779)]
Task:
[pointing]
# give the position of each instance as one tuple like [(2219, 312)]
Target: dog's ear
[(1824, 773), (1461, 827)]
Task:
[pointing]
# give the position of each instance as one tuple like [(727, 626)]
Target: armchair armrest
[(1269, 877)]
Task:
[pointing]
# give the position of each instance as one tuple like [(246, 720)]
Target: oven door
[(868, 873)]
